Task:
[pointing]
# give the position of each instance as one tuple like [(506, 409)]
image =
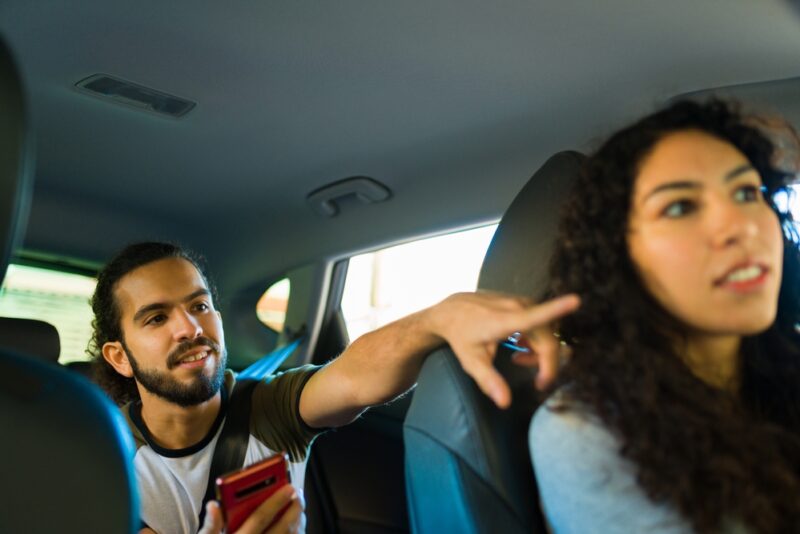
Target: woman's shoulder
[(585, 484), (562, 416), (563, 430)]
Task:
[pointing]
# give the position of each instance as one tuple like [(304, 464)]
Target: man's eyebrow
[(689, 184), (200, 292), (144, 310)]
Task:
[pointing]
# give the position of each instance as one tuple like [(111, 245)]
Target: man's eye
[(156, 319), (679, 208), (202, 306), (747, 193)]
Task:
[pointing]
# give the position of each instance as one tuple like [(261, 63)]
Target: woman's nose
[(731, 224)]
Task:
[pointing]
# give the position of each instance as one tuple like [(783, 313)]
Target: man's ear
[(115, 355)]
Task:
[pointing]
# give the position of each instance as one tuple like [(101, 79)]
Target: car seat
[(65, 455), (29, 336), (467, 463)]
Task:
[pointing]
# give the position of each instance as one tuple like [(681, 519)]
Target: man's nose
[(187, 326)]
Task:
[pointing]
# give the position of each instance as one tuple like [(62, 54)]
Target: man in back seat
[(159, 350)]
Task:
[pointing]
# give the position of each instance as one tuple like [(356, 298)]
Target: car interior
[(286, 140)]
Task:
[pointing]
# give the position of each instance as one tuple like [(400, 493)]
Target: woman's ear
[(115, 355)]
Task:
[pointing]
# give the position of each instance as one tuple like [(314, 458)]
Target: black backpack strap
[(232, 443)]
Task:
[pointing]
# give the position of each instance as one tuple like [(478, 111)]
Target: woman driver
[(680, 408)]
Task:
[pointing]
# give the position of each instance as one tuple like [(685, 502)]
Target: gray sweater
[(586, 486)]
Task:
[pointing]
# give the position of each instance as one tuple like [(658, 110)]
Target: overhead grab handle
[(324, 200)]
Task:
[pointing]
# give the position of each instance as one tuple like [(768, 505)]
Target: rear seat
[(82, 368), (30, 337), (38, 339)]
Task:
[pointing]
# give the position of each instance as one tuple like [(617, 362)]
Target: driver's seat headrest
[(517, 259)]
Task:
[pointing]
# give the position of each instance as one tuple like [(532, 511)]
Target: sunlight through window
[(387, 284)]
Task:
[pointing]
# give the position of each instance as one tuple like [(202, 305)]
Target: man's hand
[(384, 363), (260, 521), (473, 324)]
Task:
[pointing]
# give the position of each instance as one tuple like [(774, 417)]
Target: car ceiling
[(452, 105)]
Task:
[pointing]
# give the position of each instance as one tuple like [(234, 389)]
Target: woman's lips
[(744, 278)]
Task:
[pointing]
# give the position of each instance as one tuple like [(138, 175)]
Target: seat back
[(29, 336), (468, 467), (65, 456), (65, 460)]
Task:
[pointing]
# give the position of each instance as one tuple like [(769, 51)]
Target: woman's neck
[(715, 360)]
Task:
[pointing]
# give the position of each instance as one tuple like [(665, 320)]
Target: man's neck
[(177, 427)]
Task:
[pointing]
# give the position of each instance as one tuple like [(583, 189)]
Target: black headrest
[(516, 261), (16, 159), (16, 170), (31, 337)]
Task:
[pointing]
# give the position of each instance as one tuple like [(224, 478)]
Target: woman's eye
[(679, 208), (747, 193)]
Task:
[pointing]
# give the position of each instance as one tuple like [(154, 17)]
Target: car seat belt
[(232, 443), (269, 363), (231, 447)]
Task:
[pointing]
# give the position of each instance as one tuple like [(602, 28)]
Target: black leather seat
[(29, 336), (65, 456), (468, 468), (82, 368)]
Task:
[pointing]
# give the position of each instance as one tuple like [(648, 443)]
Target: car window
[(58, 298), (386, 284), (789, 199), (271, 307)]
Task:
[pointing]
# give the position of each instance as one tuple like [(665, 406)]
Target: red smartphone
[(240, 492)]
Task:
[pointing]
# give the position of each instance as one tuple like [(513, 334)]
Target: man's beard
[(162, 384)]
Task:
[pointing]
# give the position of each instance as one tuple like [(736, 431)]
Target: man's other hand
[(261, 520)]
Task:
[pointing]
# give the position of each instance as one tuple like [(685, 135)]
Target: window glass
[(58, 298), (271, 307), (387, 284), (789, 198)]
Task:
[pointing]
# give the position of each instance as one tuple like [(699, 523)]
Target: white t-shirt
[(173, 482)]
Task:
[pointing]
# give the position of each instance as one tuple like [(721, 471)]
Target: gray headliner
[(453, 105)]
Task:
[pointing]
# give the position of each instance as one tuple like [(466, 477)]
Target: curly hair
[(711, 455), (106, 325)]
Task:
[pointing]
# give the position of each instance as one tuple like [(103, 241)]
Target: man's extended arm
[(385, 363)]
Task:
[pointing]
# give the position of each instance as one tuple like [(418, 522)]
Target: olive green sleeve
[(275, 416)]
